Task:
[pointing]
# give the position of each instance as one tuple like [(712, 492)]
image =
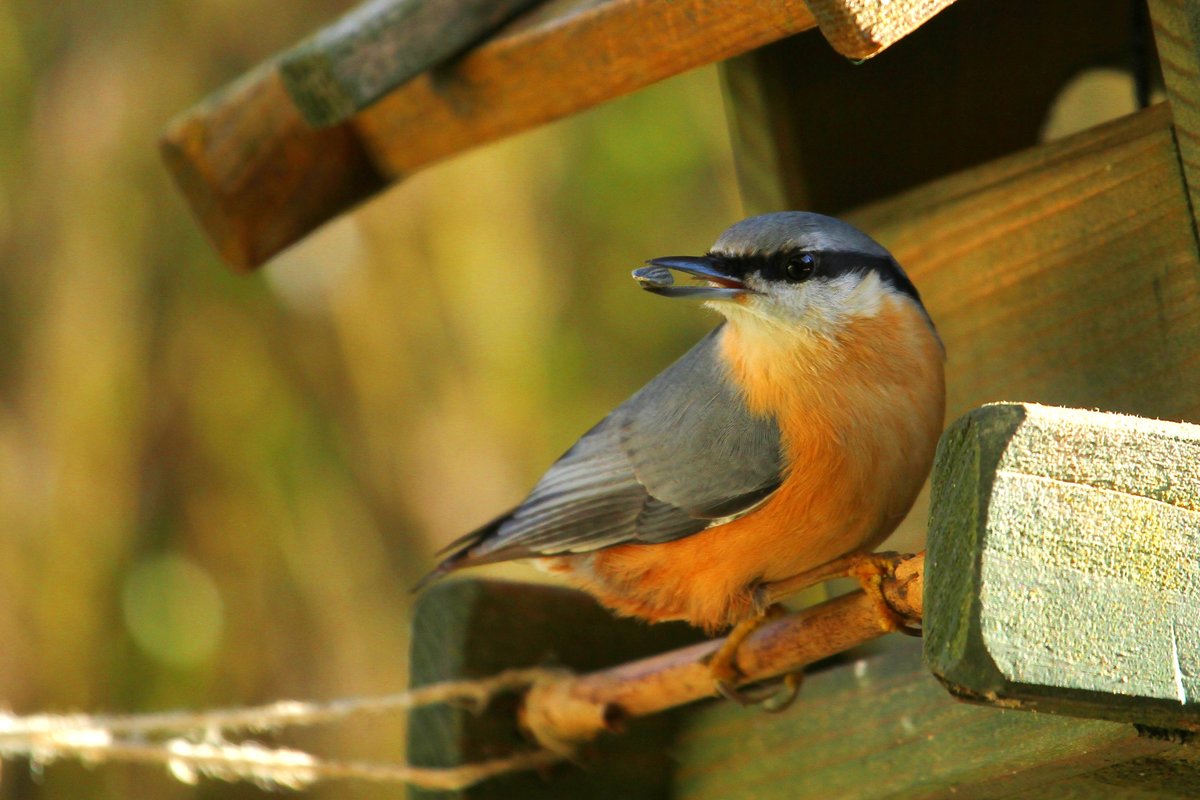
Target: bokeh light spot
[(173, 610)]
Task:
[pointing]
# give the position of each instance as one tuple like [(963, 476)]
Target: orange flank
[(859, 450)]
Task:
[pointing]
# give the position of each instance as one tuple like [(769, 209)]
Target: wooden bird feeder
[(1063, 565)]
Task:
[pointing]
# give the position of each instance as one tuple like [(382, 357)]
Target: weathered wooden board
[(1064, 564), (1177, 35), (862, 28), (560, 63), (1065, 274), (378, 46), (260, 178), (881, 726), (814, 131), (256, 175), (474, 628)]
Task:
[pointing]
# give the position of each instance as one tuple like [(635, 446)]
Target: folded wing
[(681, 455)]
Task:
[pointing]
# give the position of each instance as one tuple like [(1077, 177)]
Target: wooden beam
[(562, 61), (1064, 564), (878, 725), (816, 132), (260, 178), (1177, 35), (380, 45), (256, 175)]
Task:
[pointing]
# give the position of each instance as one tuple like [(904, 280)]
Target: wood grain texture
[(1065, 275), (862, 28), (260, 178), (1064, 551), (257, 177), (1177, 36), (559, 60), (473, 628), (881, 726), (816, 132), (378, 46)]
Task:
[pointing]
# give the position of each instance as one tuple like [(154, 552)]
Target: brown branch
[(561, 712)]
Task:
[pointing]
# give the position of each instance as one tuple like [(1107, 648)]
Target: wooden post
[(472, 628), (1064, 564)]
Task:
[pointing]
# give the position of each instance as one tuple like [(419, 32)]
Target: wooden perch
[(1064, 564), (572, 710)]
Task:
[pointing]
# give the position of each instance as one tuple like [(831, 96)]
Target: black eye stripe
[(829, 264)]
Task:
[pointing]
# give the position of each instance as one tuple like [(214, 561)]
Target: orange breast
[(859, 418)]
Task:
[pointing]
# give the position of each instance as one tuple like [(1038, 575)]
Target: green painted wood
[(380, 45), (475, 628), (881, 726), (1063, 566)]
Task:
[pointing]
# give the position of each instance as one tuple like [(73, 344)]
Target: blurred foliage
[(217, 490)]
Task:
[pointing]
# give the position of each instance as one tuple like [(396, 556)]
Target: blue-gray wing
[(679, 455)]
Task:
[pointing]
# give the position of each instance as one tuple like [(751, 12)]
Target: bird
[(797, 432)]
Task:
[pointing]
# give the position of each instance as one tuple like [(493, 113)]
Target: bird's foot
[(774, 695), (723, 666), (868, 569)]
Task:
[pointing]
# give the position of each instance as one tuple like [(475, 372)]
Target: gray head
[(794, 231), (791, 268)]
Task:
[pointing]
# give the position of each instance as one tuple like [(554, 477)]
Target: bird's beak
[(656, 277)]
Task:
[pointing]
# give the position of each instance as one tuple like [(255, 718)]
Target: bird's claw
[(722, 664), (773, 697)]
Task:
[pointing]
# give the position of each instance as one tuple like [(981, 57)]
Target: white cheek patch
[(856, 295), (824, 306)]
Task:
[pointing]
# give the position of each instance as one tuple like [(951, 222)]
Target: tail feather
[(460, 552)]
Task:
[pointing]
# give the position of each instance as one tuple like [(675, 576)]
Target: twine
[(194, 744)]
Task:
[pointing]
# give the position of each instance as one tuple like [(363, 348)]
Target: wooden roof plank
[(260, 177), (860, 29), (380, 45)]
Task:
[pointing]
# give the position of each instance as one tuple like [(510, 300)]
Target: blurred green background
[(218, 490)]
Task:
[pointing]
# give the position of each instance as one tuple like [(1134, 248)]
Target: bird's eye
[(801, 267)]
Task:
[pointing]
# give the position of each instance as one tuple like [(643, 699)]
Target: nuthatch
[(799, 430)]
